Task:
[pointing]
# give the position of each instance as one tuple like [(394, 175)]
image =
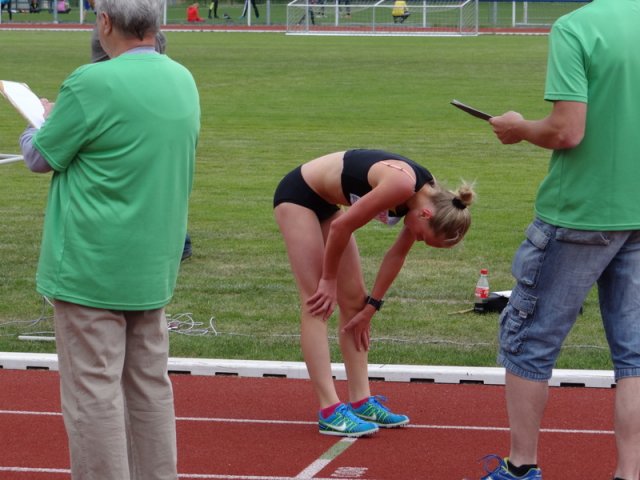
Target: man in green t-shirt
[(121, 142), (99, 55), (586, 231)]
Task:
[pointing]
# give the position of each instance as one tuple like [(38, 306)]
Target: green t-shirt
[(593, 59), (121, 140)]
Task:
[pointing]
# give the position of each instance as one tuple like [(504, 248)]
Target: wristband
[(375, 303)]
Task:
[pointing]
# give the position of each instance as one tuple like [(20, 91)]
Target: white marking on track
[(326, 458), (486, 428)]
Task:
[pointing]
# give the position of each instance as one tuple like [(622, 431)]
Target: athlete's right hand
[(323, 302)]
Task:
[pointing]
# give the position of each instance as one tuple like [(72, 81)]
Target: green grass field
[(270, 102)]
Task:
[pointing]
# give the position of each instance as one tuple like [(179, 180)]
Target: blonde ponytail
[(452, 218)]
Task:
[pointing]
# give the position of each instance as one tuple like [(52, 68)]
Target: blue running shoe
[(345, 424), (501, 472), (374, 411)]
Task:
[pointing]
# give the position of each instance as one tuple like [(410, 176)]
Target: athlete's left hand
[(360, 325)]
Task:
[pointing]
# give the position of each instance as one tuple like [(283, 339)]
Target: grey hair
[(135, 18)]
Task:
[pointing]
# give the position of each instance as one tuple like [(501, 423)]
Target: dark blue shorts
[(293, 189)]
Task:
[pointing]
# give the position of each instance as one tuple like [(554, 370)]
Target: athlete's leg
[(305, 247), (351, 299)]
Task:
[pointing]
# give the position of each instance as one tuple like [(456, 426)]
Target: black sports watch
[(377, 304)]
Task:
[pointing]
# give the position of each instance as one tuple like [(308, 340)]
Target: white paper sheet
[(24, 100)]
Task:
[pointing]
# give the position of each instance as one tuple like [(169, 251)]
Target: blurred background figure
[(400, 11), (193, 13)]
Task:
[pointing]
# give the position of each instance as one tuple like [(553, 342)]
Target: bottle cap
[(484, 271)]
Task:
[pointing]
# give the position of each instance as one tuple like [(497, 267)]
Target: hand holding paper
[(24, 101)]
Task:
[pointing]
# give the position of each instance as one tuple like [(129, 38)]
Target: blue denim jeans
[(555, 268)]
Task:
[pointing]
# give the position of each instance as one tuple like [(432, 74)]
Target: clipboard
[(471, 111), (24, 101)]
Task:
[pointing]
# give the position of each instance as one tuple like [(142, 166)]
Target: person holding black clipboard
[(586, 230)]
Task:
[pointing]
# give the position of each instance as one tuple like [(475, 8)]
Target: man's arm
[(33, 159), (563, 128)]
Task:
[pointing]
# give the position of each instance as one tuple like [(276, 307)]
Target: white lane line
[(24, 412), (310, 471), (245, 477), (34, 470), (242, 420), (180, 475), (326, 458), (570, 431), (506, 429)]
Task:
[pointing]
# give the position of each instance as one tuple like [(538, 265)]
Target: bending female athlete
[(326, 264)]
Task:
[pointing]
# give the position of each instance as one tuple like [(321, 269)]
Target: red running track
[(265, 429)]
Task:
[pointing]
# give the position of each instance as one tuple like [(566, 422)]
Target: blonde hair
[(452, 218)]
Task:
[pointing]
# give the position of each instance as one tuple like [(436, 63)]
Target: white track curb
[(389, 373)]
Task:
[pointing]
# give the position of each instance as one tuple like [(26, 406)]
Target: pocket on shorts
[(515, 321), (582, 237), (528, 259)]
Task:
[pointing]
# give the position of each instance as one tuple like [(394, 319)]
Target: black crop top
[(355, 169)]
